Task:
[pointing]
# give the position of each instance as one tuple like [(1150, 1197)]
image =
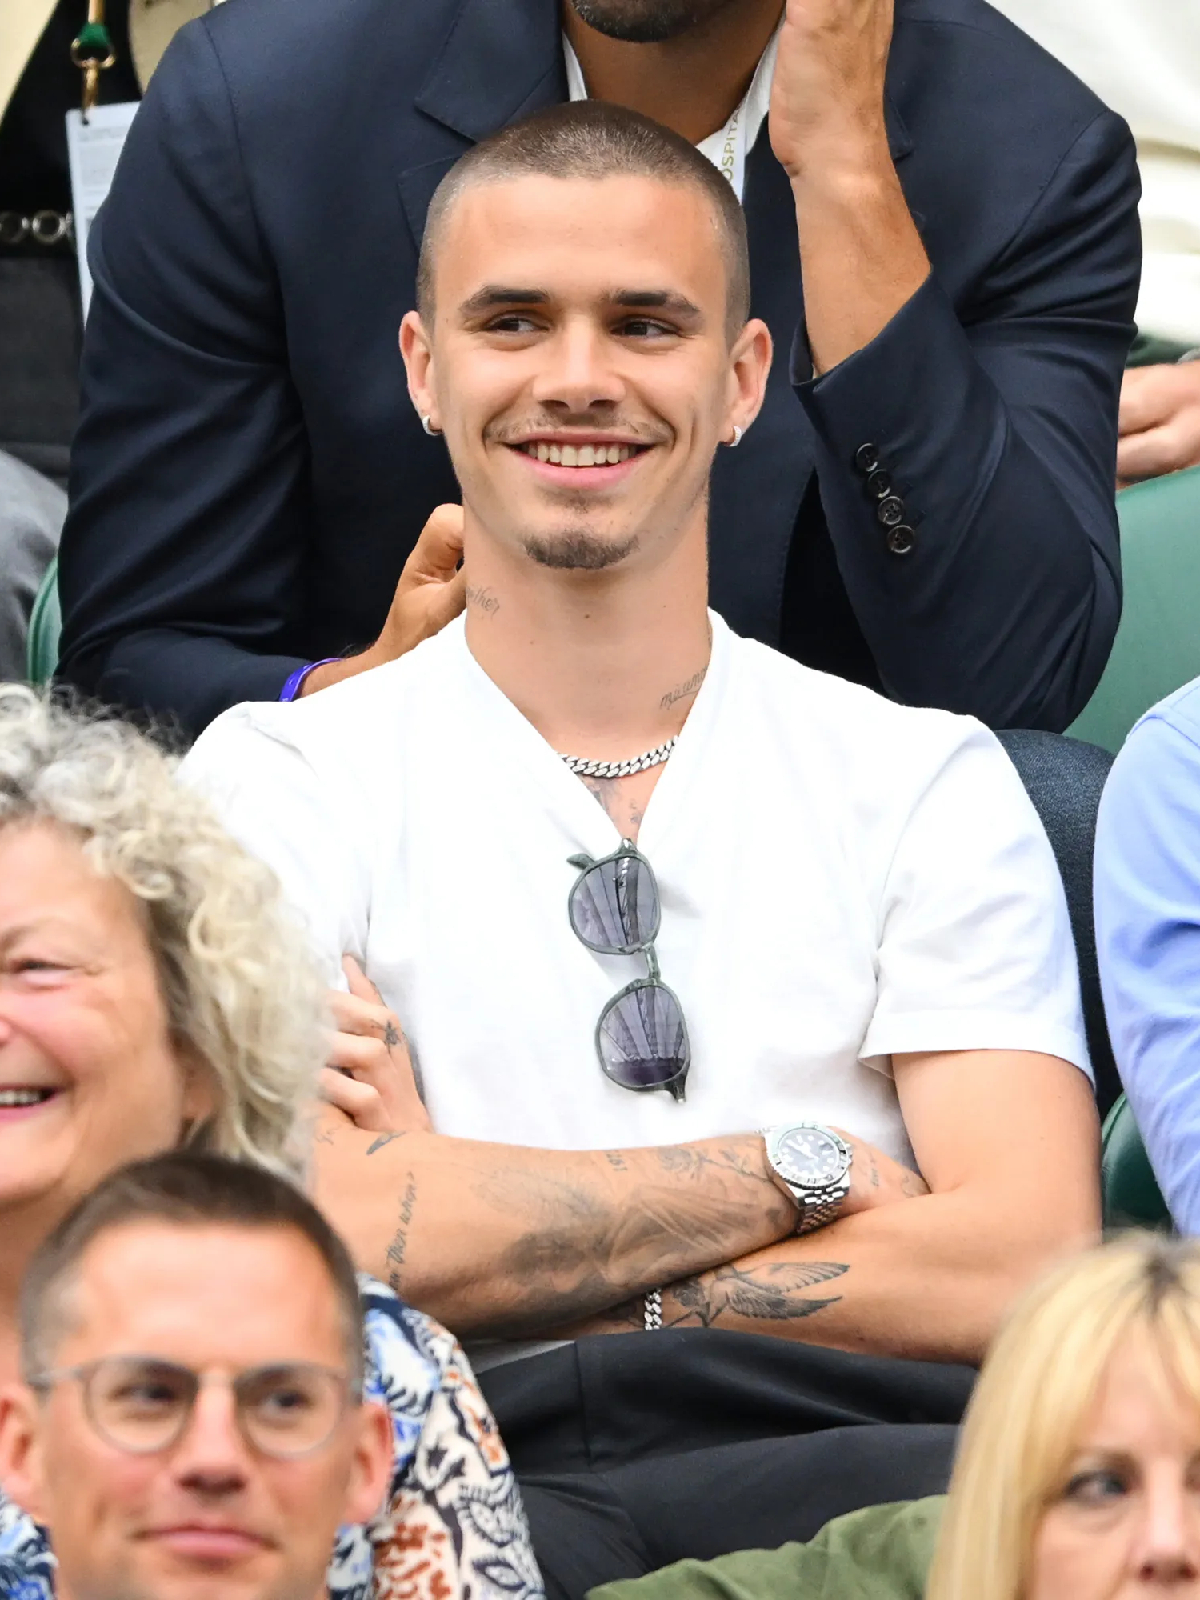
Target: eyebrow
[(494, 295)]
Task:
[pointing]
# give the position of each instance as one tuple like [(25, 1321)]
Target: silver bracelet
[(653, 1301)]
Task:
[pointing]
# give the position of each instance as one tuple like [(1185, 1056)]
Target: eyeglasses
[(142, 1405), (641, 1037)]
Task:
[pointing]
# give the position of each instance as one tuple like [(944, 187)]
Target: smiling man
[(795, 907), (943, 234), (191, 1425)]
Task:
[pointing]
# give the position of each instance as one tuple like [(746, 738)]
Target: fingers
[(359, 1101), (1148, 398), (1160, 450), (360, 984), (437, 553)]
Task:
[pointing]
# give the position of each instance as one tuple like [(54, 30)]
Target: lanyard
[(726, 149), (92, 53)]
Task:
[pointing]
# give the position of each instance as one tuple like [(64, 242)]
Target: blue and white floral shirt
[(454, 1527)]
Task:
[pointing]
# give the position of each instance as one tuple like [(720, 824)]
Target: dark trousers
[(636, 1450)]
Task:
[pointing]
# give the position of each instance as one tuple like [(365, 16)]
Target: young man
[(795, 905), (944, 241), (191, 1423)]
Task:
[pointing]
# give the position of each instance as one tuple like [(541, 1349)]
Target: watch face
[(809, 1156)]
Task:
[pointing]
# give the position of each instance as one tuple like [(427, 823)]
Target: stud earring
[(427, 424)]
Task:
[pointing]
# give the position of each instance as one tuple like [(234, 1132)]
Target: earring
[(429, 427), (738, 435)]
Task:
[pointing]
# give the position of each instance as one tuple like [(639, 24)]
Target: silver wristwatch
[(812, 1163)]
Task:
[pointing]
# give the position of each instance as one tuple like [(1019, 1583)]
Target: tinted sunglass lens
[(614, 906), (642, 1040)]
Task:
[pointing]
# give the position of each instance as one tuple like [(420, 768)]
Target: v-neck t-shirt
[(841, 878)]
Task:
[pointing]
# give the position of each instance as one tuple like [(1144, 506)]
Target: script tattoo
[(483, 599), (397, 1249), (682, 690), (768, 1294)]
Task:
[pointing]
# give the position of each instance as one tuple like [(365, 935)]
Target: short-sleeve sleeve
[(975, 945), (279, 808), (1148, 941)]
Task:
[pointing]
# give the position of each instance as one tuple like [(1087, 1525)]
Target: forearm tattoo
[(770, 1293)]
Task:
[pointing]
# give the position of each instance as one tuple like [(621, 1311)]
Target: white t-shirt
[(841, 878), (1142, 57)]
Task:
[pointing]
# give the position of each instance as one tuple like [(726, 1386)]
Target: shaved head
[(592, 139)]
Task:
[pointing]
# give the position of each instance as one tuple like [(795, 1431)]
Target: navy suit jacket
[(249, 476)]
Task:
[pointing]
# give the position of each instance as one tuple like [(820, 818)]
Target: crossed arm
[(505, 1241)]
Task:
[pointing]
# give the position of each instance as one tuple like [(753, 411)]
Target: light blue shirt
[(1148, 938)]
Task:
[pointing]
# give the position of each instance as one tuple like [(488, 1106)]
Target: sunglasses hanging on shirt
[(641, 1037)]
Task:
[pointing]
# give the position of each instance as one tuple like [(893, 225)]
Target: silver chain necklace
[(583, 768)]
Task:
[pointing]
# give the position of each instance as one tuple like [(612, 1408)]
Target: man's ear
[(749, 366), (371, 1473), (22, 1469), (418, 363)]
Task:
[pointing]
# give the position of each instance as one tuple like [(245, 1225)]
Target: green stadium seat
[(1132, 1198), (45, 625), (1157, 648)]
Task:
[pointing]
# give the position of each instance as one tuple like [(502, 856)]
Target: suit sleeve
[(998, 429), (180, 565)]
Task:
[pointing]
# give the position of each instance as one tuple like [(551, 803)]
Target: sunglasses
[(641, 1037)]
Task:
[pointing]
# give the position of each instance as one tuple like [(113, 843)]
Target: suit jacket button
[(879, 484), (901, 540), (866, 458), (890, 510)]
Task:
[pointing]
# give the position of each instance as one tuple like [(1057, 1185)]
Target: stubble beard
[(573, 550), (646, 21)]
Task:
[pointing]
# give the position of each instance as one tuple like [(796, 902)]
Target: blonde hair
[(1037, 1386), (239, 983)]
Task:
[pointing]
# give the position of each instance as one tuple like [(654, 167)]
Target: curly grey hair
[(239, 982)]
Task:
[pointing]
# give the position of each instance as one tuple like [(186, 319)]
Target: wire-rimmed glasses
[(142, 1405), (641, 1037)]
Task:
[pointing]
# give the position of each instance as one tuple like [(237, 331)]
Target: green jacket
[(880, 1553)]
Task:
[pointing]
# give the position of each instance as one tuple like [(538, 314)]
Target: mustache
[(511, 430)]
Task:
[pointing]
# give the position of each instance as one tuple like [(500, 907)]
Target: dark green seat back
[(1157, 648), (1132, 1198), (45, 625)]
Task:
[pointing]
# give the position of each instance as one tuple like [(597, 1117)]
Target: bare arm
[(1009, 1145), (860, 253), (507, 1241)]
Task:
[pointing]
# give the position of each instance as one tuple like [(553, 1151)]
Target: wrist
[(323, 674)]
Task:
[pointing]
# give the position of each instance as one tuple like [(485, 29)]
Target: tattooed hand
[(877, 1180), (370, 1077)]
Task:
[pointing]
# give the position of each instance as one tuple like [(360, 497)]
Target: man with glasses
[(796, 907), (191, 1421)]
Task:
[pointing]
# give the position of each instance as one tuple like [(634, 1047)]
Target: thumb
[(437, 553)]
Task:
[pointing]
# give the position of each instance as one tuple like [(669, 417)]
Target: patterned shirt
[(454, 1527)]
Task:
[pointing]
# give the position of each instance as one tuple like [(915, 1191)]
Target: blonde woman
[(153, 994), (1078, 1476), (1078, 1472)]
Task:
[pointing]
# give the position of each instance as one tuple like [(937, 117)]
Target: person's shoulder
[(336, 725), (857, 729), (26, 1565), (976, 33), (411, 1355), (358, 59), (1178, 712)]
